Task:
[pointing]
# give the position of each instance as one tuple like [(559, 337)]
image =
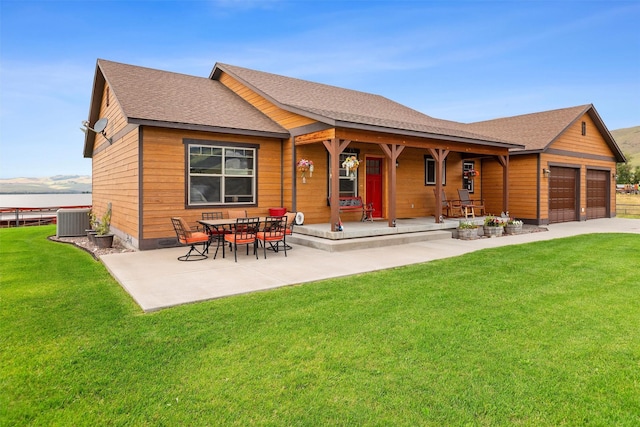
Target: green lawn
[(543, 334)]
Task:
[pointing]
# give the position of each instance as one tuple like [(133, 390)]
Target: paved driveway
[(156, 279)]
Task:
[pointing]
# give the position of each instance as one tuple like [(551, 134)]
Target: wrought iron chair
[(244, 233), (237, 213), (274, 232), (213, 232), (188, 237), (469, 205)]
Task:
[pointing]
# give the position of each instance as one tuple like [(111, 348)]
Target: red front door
[(374, 185)]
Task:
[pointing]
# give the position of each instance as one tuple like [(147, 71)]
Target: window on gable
[(584, 128), (221, 175), (430, 171)]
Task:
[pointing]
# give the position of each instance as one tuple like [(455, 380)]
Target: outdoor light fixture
[(546, 172)]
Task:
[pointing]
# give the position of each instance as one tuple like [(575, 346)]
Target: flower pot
[(277, 211), (104, 240), (513, 229), (467, 233), (493, 231), (91, 234)]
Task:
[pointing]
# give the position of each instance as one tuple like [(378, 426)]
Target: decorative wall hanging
[(305, 166)]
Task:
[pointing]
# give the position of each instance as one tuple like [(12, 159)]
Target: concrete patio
[(156, 279)]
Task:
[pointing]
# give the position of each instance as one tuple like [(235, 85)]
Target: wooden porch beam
[(504, 161), (469, 148), (335, 147), (438, 155), (392, 151)]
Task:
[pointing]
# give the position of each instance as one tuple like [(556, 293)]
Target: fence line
[(627, 209), (17, 217)]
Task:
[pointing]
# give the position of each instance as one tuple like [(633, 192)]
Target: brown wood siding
[(491, 179), (115, 180), (117, 120), (284, 118), (115, 171), (591, 143), (164, 178)]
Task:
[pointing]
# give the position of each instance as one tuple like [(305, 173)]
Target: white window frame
[(430, 171), (467, 183), (227, 172), (344, 176)]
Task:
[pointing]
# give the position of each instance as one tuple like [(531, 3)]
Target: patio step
[(330, 245)]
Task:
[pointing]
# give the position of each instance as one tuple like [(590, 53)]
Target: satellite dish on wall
[(101, 125)]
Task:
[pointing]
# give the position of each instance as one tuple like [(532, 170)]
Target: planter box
[(467, 233), (493, 231), (91, 234), (277, 211), (104, 241), (513, 229)]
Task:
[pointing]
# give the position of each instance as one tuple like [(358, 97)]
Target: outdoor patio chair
[(188, 237), (469, 205), (237, 213), (274, 233), (215, 233), (450, 208), (243, 233), (291, 221)]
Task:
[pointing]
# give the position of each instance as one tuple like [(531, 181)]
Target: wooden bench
[(355, 204)]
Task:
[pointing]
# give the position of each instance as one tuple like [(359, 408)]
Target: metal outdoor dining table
[(221, 226)]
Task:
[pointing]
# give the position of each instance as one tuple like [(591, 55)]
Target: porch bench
[(355, 204)]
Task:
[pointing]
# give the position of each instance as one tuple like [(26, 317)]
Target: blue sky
[(457, 60)]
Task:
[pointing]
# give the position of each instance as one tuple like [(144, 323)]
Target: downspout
[(294, 187), (282, 172)]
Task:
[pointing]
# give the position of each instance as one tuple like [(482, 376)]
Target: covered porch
[(411, 194)]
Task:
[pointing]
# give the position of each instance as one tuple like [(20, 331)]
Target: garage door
[(597, 194), (563, 195)]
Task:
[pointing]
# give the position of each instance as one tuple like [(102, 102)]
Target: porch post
[(392, 151), (504, 161), (335, 147), (438, 155)]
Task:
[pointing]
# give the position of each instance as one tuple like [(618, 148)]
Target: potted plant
[(93, 223), (514, 226), (103, 239), (351, 164), (494, 226), (467, 230)]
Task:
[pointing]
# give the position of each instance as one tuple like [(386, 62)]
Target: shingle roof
[(145, 93), (344, 107), (536, 130)]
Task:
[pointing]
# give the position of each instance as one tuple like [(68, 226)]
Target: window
[(584, 128), (466, 182), (221, 175), (348, 182), (430, 171)]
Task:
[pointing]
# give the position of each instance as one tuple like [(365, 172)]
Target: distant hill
[(51, 184), (628, 139)]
